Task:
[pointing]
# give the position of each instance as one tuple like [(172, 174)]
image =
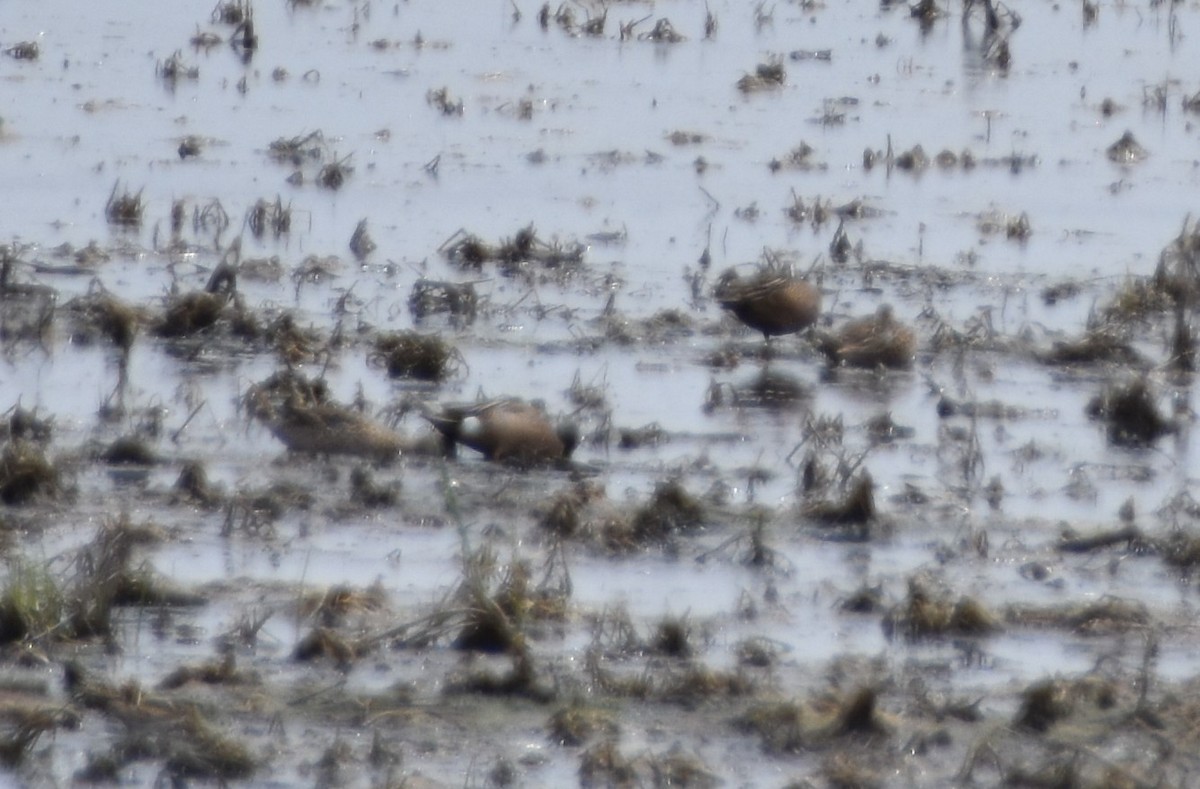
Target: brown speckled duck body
[(330, 429), (878, 340), (772, 302), (507, 430)]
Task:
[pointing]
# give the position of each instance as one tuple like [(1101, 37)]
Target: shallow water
[(91, 111)]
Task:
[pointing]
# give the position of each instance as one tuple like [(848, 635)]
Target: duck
[(198, 310), (878, 340), (506, 430), (331, 429), (772, 301)]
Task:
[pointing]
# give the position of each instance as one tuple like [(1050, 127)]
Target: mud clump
[(129, 451), (1132, 416)]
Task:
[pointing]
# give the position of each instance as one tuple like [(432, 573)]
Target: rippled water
[(593, 162)]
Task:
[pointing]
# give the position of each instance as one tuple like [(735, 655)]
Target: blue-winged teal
[(772, 302), (506, 430), (874, 341), (330, 429), (191, 312)]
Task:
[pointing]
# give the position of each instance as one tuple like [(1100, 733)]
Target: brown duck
[(191, 312), (875, 341), (772, 302), (506, 430), (331, 429)]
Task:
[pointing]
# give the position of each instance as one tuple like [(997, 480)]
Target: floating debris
[(1126, 150), (443, 102), (663, 32), (429, 297), (190, 145), (174, 69), (361, 243), (766, 76), (25, 50)]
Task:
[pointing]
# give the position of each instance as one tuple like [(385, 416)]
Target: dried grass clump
[(292, 343), (299, 149), (103, 315), (1137, 299), (922, 615), (782, 727), (105, 579), (673, 638), (192, 749), (322, 643), (218, 672), (766, 76), (604, 765), (430, 297), (31, 603), (1103, 344), (495, 622), (366, 492), (562, 518), (1109, 615), (855, 508), (332, 607), (192, 486), (333, 175), (670, 511), (1043, 704), (26, 474), (424, 357), (124, 209), (792, 727), (678, 768), (577, 723), (695, 686), (512, 254), (25, 425), (265, 215)]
